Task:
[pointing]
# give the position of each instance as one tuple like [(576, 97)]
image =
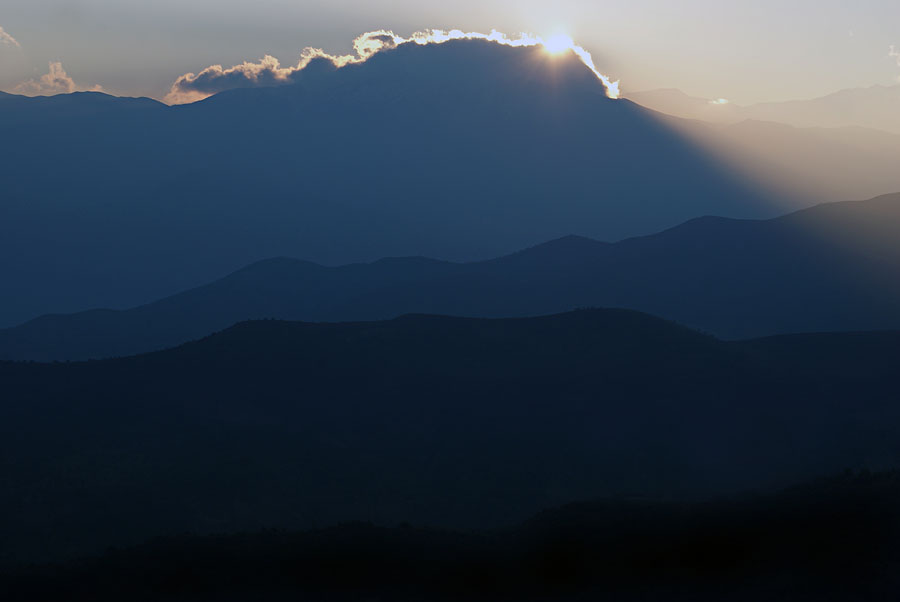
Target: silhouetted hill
[(832, 267), (433, 420), (834, 539), (459, 151), (66, 109)]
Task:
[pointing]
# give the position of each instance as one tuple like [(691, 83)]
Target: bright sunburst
[(558, 44)]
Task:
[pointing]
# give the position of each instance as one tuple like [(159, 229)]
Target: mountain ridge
[(812, 270)]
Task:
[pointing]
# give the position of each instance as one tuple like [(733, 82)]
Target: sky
[(743, 50)]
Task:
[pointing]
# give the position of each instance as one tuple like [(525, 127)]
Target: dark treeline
[(833, 539), (451, 422)]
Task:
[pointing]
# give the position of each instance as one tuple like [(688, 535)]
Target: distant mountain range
[(23, 113), (876, 107), (461, 151), (437, 421), (832, 267)]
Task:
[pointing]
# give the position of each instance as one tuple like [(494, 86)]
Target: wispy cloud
[(55, 81), (7, 39), (894, 53), (268, 71)]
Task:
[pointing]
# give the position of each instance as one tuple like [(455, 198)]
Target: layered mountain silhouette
[(433, 420), (831, 267), (460, 151)]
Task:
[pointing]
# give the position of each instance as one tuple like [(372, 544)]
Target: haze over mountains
[(876, 107), (432, 420), (461, 151), (831, 267), (840, 147)]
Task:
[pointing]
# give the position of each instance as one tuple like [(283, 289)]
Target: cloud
[(192, 87), (894, 53), (8, 40), (55, 81)]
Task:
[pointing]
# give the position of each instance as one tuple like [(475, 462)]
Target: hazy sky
[(743, 50)]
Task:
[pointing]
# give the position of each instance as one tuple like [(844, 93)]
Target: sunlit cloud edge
[(269, 69)]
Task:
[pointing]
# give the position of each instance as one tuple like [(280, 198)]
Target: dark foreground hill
[(832, 267), (437, 421), (835, 539)]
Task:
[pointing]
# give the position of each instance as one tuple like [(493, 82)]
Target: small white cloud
[(55, 81), (719, 101), (894, 53), (7, 39)]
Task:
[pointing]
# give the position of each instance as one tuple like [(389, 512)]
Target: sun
[(558, 44)]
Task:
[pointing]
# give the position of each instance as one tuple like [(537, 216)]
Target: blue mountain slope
[(460, 151), (833, 267)]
